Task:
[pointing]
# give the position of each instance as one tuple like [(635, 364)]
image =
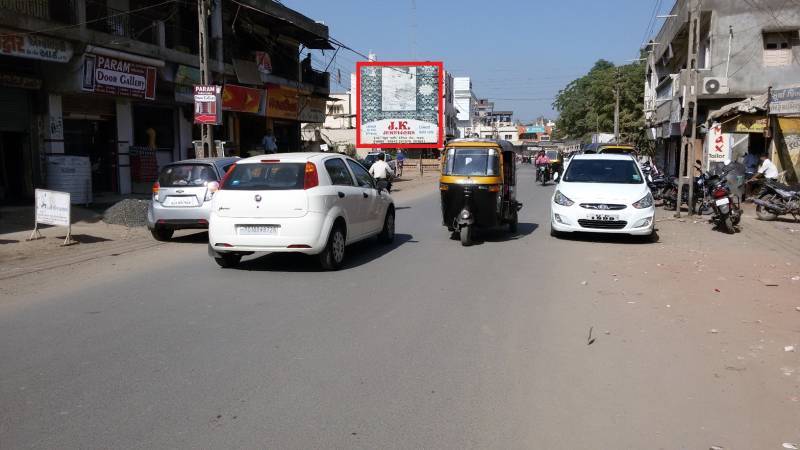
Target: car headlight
[(561, 199), (645, 202)]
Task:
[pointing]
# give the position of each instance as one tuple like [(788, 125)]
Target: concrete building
[(743, 52), (99, 81), (465, 103), (450, 111)]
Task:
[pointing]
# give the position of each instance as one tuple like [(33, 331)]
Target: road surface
[(424, 344)]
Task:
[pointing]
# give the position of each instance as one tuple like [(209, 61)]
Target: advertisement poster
[(243, 99), (399, 104), (113, 76), (282, 102), (34, 46), (264, 63), (718, 145), (208, 105), (52, 207)]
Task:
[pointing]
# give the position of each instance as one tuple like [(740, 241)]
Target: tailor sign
[(113, 76)]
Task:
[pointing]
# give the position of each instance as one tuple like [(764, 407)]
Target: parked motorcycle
[(659, 184), (727, 209), (776, 199)]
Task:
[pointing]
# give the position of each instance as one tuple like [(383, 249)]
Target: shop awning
[(750, 105)]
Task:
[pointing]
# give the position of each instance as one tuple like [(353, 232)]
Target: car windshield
[(552, 154), (472, 162), (266, 177), (186, 175), (603, 171)]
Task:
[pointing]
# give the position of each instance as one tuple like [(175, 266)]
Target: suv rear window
[(266, 177), (186, 175)]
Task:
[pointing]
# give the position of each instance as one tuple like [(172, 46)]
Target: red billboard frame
[(438, 64)]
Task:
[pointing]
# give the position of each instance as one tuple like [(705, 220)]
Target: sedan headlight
[(645, 202), (561, 199)]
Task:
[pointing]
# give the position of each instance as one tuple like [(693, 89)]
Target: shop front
[(283, 117)]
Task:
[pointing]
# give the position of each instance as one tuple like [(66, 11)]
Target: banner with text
[(113, 76), (399, 104), (208, 104)]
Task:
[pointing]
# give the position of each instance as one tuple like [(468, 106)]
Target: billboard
[(399, 104), (114, 76), (208, 104)]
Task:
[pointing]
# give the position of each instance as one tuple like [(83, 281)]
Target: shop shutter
[(14, 110), (92, 105)]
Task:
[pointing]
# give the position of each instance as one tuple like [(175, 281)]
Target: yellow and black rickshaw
[(478, 186)]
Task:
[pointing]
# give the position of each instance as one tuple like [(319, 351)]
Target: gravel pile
[(128, 212)]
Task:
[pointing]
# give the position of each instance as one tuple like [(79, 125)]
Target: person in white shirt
[(767, 169), (381, 171)]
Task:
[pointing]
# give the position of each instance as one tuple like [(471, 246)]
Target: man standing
[(381, 171), (399, 164)]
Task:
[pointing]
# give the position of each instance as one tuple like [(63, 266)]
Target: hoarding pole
[(206, 130), (686, 169)]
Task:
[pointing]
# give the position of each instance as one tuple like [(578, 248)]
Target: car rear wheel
[(228, 260), (162, 234), (332, 256), (387, 234)]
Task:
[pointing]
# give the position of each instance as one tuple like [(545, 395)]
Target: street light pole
[(689, 119), (206, 130)]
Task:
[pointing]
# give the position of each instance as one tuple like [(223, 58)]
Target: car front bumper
[(566, 219), (295, 235)]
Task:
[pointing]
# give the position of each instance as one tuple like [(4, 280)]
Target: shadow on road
[(85, 238), (357, 254), (502, 235), (200, 237), (603, 238)]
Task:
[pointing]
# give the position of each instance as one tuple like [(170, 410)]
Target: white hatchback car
[(313, 203), (603, 193)]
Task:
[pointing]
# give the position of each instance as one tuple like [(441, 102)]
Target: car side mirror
[(213, 186)]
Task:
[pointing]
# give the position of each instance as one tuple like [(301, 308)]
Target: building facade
[(465, 103), (112, 81), (743, 52)]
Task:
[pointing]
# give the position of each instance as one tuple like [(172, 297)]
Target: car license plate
[(603, 217), (257, 230), (723, 201), (181, 200)]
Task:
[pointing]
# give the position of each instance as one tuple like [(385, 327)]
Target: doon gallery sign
[(113, 76)]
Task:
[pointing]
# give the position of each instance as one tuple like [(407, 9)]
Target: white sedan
[(313, 203), (602, 193)]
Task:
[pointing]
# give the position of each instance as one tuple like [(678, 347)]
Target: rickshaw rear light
[(443, 187), (494, 188)]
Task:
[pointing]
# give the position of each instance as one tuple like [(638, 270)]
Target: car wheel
[(162, 234), (387, 233), (228, 260), (332, 256)]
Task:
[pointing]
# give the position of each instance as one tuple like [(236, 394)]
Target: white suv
[(313, 203)]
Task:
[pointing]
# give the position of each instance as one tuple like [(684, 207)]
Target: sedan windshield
[(472, 162), (603, 171), (266, 177)]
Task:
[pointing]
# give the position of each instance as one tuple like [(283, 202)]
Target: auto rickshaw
[(556, 162), (477, 187)]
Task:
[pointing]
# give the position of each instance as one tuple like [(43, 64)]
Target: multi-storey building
[(112, 80)]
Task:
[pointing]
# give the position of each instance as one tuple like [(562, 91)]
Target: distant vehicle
[(370, 159), (312, 203), (603, 193), (181, 198), (617, 149)]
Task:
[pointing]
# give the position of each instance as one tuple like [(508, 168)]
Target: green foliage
[(586, 105)]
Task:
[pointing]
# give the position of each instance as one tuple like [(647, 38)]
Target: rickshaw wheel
[(513, 225), (466, 236)]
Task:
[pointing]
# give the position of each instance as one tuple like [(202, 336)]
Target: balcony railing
[(123, 24), (55, 10), (317, 78)]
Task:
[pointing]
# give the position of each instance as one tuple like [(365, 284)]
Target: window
[(338, 172), (603, 171), (472, 162), (509, 137), (266, 177), (778, 48), (362, 176), (186, 175)]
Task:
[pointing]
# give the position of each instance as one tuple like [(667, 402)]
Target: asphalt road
[(424, 344)]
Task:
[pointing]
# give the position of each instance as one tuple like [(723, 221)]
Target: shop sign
[(283, 102), (312, 110), (747, 124), (785, 101), (208, 105), (534, 129), (718, 144), (33, 46), (19, 81), (789, 125), (264, 63), (113, 76), (243, 99), (187, 76), (399, 104)]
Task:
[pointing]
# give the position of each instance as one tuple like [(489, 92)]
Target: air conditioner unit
[(715, 85)]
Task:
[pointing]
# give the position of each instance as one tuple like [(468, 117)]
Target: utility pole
[(616, 107), (206, 131), (689, 118)]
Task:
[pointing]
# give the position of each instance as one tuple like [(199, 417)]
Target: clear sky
[(517, 52)]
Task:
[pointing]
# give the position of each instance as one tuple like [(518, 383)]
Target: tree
[(586, 105)]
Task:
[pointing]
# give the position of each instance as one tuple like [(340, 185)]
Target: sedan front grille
[(603, 206), (603, 224)]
